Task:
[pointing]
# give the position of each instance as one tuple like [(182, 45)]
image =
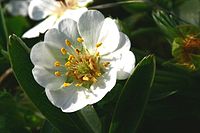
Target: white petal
[(126, 65), (73, 98), (69, 27), (18, 7), (89, 26), (122, 58), (40, 28), (39, 9), (82, 3), (69, 99), (46, 78), (103, 85), (109, 37), (56, 39), (44, 69), (42, 55), (123, 46)]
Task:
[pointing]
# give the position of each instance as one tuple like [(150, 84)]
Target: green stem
[(4, 27), (108, 5)]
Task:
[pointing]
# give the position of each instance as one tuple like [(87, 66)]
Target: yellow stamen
[(98, 44), (66, 84), (98, 74), (78, 84), (70, 57), (68, 43), (67, 64), (85, 78), (67, 74), (80, 40), (57, 74), (63, 51), (77, 51), (94, 80), (105, 64), (57, 64), (97, 54)]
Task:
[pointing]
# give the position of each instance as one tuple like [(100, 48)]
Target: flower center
[(82, 68), (192, 45), (65, 5)]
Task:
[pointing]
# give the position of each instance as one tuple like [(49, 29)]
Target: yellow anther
[(67, 74), (98, 44), (85, 78), (67, 64), (57, 64), (105, 64), (94, 80), (66, 84), (57, 74), (71, 57), (68, 43), (63, 51), (78, 84), (80, 40), (77, 51), (98, 74), (97, 54)]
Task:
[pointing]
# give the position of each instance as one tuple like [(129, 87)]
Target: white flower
[(79, 63), (18, 7), (54, 11)]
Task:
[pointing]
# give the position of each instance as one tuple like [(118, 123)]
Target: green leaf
[(48, 128), (83, 121), (189, 11), (166, 22), (134, 97)]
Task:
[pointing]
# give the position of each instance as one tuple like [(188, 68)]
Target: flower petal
[(41, 55), (103, 85), (46, 78), (109, 37), (40, 28), (56, 39), (89, 26), (122, 58), (69, 27), (18, 7), (73, 98), (124, 44), (69, 99), (82, 3), (39, 9), (126, 65)]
